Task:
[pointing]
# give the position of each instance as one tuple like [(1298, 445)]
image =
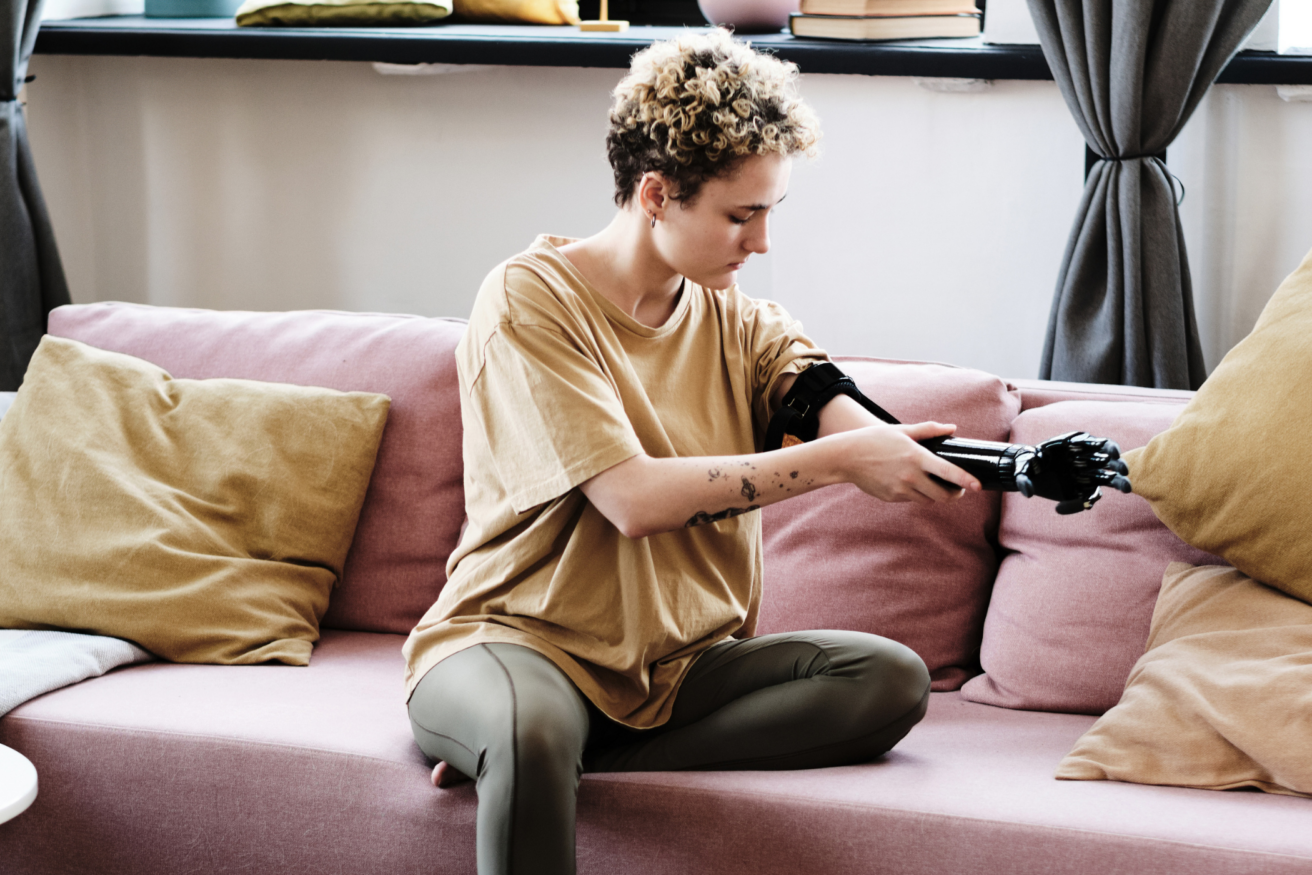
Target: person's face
[(709, 239)]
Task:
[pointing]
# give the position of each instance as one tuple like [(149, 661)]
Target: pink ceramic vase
[(749, 16)]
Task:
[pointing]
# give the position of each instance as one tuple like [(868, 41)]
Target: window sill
[(568, 47)]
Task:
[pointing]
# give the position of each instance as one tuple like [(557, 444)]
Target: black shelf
[(568, 47)]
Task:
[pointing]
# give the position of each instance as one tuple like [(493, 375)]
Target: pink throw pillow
[(415, 504), (839, 559), (1074, 597)]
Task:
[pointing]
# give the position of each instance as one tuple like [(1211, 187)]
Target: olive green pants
[(508, 717)]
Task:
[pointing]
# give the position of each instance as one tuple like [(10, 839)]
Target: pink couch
[(174, 769)]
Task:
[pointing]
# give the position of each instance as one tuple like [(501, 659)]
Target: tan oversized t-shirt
[(557, 385)]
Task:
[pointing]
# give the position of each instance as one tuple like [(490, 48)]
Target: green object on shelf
[(191, 8), (342, 13)]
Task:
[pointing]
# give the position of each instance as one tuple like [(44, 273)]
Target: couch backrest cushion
[(839, 559), (1074, 596), (415, 503)]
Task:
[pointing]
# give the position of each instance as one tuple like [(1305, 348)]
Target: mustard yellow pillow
[(341, 13), (205, 520), (1222, 697), (1231, 476)]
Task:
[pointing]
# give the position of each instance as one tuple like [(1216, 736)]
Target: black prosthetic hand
[(1069, 469)]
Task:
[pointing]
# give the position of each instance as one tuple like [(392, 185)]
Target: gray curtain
[(31, 277), (1132, 72)]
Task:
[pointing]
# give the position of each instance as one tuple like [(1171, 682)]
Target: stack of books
[(885, 19)]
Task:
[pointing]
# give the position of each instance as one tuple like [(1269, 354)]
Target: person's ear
[(653, 195)]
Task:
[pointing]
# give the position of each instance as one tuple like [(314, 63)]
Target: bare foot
[(447, 775)]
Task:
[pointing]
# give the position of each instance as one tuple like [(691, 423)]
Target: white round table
[(17, 783)]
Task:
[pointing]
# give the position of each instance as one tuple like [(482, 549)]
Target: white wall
[(932, 226), (1246, 161)]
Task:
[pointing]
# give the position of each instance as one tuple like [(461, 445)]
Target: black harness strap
[(798, 419)]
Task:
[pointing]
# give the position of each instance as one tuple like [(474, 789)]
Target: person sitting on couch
[(600, 608)]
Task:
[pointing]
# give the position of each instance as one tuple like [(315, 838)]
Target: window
[(1295, 27)]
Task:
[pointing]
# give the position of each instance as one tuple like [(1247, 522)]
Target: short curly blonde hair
[(690, 108)]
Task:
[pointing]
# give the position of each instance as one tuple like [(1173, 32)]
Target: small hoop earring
[(653, 219)]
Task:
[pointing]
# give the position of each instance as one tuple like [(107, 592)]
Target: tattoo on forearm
[(701, 517), (749, 490)]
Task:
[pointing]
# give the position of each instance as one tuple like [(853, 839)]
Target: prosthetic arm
[(1068, 469)]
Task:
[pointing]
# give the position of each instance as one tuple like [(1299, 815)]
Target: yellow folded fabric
[(1230, 475), (518, 11), (205, 520), (341, 13), (1221, 699)]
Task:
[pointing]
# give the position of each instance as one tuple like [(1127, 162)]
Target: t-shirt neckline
[(552, 244)]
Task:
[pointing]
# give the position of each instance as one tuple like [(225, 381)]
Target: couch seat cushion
[(161, 769), (416, 502), (225, 769), (970, 790)]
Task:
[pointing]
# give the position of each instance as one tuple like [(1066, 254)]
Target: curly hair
[(692, 107)]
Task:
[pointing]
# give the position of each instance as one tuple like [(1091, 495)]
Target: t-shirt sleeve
[(778, 347), (550, 414)]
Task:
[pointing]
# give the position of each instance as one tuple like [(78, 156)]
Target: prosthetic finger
[(1113, 478), (1075, 505)]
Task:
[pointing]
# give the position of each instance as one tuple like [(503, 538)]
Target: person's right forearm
[(645, 496)]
